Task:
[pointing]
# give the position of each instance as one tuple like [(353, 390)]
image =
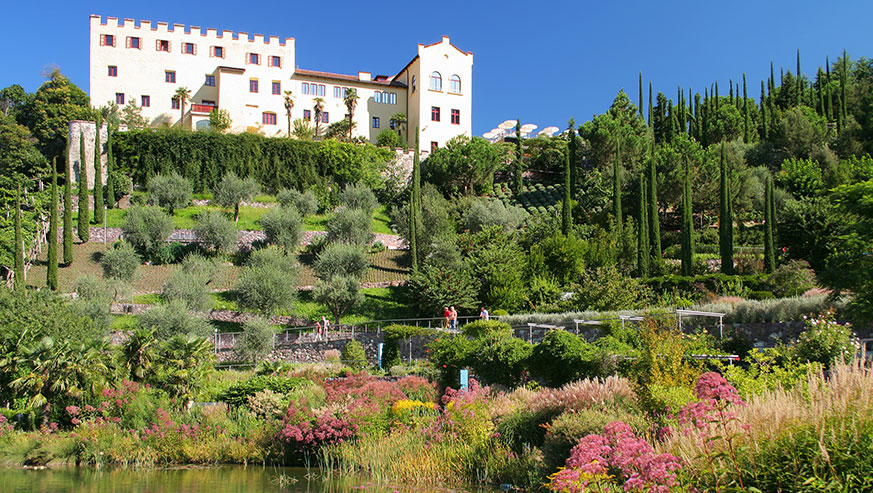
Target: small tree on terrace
[(183, 94), (289, 106), (350, 99), (257, 339), (268, 282), (232, 190), (339, 293), (219, 120), (283, 227), (169, 191), (349, 226), (399, 121)]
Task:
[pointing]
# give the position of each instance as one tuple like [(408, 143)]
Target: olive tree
[(359, 196), (349, 226), (268, 283), (257, 339), (215, 231), (306, 202), (120, 262), (169, 191), (189, 283), (283, 227), (147, 228), (341, 259), (232, 190), (339, 293)]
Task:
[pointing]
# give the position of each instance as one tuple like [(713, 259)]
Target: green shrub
[(607, 289), (257, 339), (392, 335), (760, 295), (306, 202), (169, 191), (449, 354), (792, 279), (174, 319), (93, 298), (523, 428), (147, 228), (661, 399), (500, 360), (561, 357), (484, 213), (238, 394), (120, 262), (353, 355), (340, 259), (268, 283), (777, 310), (486, 328), (190, 283), (216, 232), (825, 341), (349, 226), (233, 190), (122, 185), (359, 196), (283, 227), (389, 138)]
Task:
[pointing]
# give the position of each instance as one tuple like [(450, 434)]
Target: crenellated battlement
[(132, 26)]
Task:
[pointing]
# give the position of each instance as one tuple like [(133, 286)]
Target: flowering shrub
[(417, 388), (4, 426), (304, 431), (411, 412), (581, 394), (464, 417), (826, 341), (616, 455)]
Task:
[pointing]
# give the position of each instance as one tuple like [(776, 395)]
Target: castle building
[(147, 63)]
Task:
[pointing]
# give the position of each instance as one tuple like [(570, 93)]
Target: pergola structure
[(638, 318)]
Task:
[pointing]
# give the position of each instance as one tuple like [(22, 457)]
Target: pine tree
[(414, 206), (566, 214), (643, 253), (84, 215), (687, 236), (98, 175), (19, 246), (764, 130), (52, 272), (725, 219), (518, 178), (110, 180), (704, 115), (652, 197), (769, 218), (68, 210), (650, 103), (746, 135), (616, 186), (571, 149)]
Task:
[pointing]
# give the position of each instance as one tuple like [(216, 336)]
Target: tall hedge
[(204, 157)]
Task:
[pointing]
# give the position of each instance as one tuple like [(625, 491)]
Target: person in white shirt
[(483, 314)]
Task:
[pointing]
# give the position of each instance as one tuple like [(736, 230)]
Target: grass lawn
[(389, 265), (249, 218)]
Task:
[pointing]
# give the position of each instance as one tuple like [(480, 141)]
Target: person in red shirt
[(446, 316)]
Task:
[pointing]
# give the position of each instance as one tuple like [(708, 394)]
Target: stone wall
[(89, 131)]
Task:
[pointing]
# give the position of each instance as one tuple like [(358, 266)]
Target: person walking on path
[(447, 315), (326, 324), (453, 318), (317, 335), (483, 314)]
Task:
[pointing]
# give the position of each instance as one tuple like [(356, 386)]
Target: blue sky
[(541, 62)]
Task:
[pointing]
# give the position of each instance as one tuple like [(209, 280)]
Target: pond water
[(224, 479)]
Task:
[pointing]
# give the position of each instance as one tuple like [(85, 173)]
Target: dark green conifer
[(518, 177), (84, 215), (52, 234), (98, 174), (616, 186), (731, 86), (643, 253), (18, 250), (844, 83), (764, 130), (798, 97), (415, 205), (725, 218), (769, 219), (746, 134), (571, 150), (687, 236), (68, 209), (650, 103), (566, 206), (642, 116), (653, 216), (110, 180), (830, 99)]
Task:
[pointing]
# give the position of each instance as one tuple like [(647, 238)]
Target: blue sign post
[(465, 379), (379, 354)]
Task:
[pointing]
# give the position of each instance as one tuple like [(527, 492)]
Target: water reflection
[(224, 479)]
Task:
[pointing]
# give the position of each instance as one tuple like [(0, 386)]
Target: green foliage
[(283, 227), (68, 215), (121, 185), (57, 102), (792, 279), (559, 257), (147, 228), (99, 203), (353, 355), (339, 293), (18, 266), (500, 360), (487, 329), (825, 341), (485, 213), (498, 263), (432, 288), (392, 335), (435, 221), (216, 232), (170, 191), (219, 120), (52, 234), (464, 166), (306, 203), (257, 339), (769, 369), (561, 357), (605, 289), (232, 190), (239, 393), (350, 226), (20, 157), (174, 319), (120, 262), (389, 138), (268, 283), (359, 196), (189, 283), (93, 297), (810, 229), (84, 215), (449, 355), (340, 259)]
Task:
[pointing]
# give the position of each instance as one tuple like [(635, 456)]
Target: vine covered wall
[(204, 157)]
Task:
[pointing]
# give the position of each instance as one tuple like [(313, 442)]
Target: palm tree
[(289, 105), (351, 100), (183, 94), (399, 120), (139, 353), (184, 362), (318, 109)]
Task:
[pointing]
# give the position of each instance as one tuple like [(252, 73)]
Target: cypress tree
[(672, 122), (725, 218), (518, 178), (652, 197), (642, 116), (697, 116), (716, 97), (690, 110), (687, 236), (643, 254), (769, 247), (566, 213), (616, 186), (830, 99), (68, 211), (52, 272), (414, 201), (746, 135), (650, 103), (571, 150), (764, 129), (820, 93), (844, 82), (98, 175), (797, 97), (19, 246), (704, 114), (680, 99), (731, 85), (84, 216), (110, 181)]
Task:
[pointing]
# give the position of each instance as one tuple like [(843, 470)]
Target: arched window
[(268, 118), (436, 81), (455, 84)]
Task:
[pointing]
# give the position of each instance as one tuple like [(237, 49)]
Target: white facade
[(246, 76)]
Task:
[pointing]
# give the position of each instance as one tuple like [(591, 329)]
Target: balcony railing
[(203, 108)]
